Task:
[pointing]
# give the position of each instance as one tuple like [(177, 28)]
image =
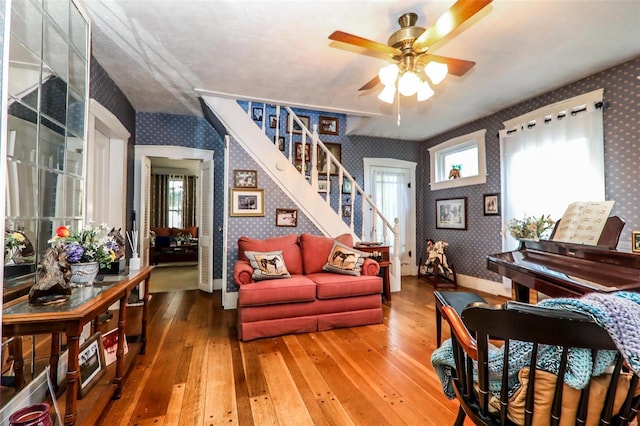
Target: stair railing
[(306, 160)]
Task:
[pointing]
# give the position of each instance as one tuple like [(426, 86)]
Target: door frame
[(393, 163), (174, 153)]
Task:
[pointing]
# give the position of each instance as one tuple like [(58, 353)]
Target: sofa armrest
[(370, 267), (243, 272)]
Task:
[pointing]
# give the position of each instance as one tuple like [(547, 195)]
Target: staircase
[(300, 183)]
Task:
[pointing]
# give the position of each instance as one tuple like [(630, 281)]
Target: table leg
[(122, 321), (73, 374), (145, 313), (18, 361), (54, 356), (386, 284)]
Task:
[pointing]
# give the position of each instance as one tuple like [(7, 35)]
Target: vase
[(33, 415), (83, 274)]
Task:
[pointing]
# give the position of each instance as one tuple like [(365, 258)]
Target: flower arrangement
[(91, 244), (13, 241), (529, 227)]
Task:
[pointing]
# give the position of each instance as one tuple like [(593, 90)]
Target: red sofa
[(311, 299)]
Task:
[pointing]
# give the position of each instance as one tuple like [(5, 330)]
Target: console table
[(85, 305)]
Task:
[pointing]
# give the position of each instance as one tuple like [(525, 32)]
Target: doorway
[(168, 155), (391, 184)]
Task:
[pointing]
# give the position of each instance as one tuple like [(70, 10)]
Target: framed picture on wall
[(323, 186), (329, 125), (247, 202), (273, 121), (491, 204), (294, 127), (287, 217), (245, 178), (635, 241), (323, 161), (451, 213), (280, 142), (256, 113)]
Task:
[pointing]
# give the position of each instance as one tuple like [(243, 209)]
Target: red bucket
[(33, 415)]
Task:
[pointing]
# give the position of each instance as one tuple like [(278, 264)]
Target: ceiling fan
[(408, 50)]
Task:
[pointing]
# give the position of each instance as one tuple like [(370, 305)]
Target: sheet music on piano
[(583, 222)]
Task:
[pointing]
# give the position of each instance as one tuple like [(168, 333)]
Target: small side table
[(381, 255)]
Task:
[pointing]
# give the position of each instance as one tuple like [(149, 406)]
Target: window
[(552, 157), (466, 154), (174, 202)]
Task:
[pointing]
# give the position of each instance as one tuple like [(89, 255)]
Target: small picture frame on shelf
[(245, 178), (635, 241), (90, 364), (451, 213), (287, 217), (256, 113), (329, 125), (247, 202), (492, 204)]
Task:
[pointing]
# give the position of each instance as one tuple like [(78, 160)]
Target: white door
[(205, 230), (98, 179), (391, 183), (145, 209)]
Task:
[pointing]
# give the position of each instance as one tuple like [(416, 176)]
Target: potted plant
[(87, 250)]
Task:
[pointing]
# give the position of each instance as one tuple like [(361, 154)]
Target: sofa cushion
[(331, 286), (267, 265), (288, 244), (163, 241), (161, 232), (315, 250), (298, 288), (344, 260)]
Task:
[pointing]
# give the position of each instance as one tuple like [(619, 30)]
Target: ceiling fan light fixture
[(388, 74), (408, 83), (424, 91), (436, 71), (387, 94)]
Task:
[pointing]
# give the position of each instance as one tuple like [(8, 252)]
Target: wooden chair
[(513, 322)]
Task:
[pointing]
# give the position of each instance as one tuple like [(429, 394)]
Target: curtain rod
[(574, 112)]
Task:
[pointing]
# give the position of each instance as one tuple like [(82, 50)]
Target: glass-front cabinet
[(46, 126)]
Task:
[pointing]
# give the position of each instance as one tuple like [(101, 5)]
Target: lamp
[(405, 79)]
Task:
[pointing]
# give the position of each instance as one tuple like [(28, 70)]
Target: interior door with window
[(392, 188)]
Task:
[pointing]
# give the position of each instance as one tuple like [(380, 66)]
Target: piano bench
[(458, 300)]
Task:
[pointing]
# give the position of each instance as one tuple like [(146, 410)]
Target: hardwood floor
[(196, 372)]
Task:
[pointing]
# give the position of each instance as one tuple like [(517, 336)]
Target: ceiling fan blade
[(451, 19), (371, 84), (363, 42), (456, 67)]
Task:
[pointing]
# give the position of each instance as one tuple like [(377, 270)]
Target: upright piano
[(560, 269)]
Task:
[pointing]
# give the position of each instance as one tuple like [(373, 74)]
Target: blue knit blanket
[(618, 313)]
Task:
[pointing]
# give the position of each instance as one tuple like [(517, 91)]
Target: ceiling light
[(388, 74), (408, 83), (424, 91), (436, 71), (387, 94)]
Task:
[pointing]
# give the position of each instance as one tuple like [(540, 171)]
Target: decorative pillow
[(316, 248), (545, 384), (288, 244), (344, 260), (267, 265)]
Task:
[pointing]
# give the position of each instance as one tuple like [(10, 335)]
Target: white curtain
[(552, 160), (390, 192)]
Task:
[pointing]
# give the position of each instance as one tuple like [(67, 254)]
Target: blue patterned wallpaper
[(468, 249), (192, 132)]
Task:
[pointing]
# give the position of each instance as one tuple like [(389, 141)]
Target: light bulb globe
[(436, 71), (408, 83), (388, 74), (387, 94)]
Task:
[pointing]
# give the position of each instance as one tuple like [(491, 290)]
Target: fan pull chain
[(398, 96)]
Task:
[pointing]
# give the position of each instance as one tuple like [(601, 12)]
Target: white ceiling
[(159, 51)]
